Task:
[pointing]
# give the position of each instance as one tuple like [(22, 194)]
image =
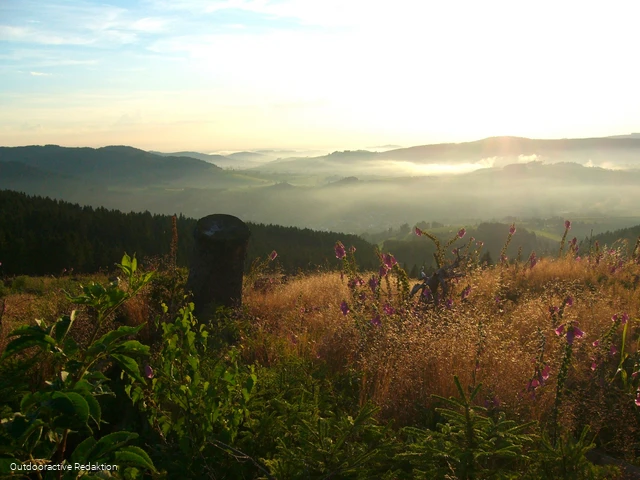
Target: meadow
[(524, 369)]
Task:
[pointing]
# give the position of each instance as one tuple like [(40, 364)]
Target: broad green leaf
[(73, 405), (132, 347), (24, 342), (139, 452), (62, 326), (104, 342), (83, 450), (110, 443), (129, 365)]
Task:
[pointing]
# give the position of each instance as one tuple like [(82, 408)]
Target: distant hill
[(623, 152)]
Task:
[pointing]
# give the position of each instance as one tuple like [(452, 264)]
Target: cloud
[(39, 74)]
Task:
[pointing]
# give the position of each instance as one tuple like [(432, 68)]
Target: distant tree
[(486, 259)]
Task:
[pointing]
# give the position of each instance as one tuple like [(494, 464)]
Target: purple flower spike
[(625, 318), (449, 303), (389, 260), (273, 255), (567, 224), (148, 371), (344, 307), (512, 229), (596, 343), (613, 350), (375, 321), (418, 232), (574, 332), (461, 233), (340, 251), (560, 330), (388, 309), (352, 249), (466, 292), (594, 365), (568, 301), (373, 283), (614, 318), (383, 271), (545, 372)]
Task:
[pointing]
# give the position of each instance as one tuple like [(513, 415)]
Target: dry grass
[(415, 354)]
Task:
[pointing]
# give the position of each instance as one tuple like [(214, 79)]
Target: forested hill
[(42, 236), (630, 235)]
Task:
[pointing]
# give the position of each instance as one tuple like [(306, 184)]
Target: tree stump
[(217, 264)]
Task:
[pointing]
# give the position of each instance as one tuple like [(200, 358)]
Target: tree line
[(41, 236)]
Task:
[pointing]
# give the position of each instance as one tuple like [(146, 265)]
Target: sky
[(213, 75)]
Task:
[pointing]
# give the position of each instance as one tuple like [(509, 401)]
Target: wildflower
[(375, 321), (567, 224), (596, 343), (383, 271), (638, 399), (498, 299), (480, 243), (340, 251), (533, 260), (512, 229), (568, 301), (418, 232), (545, 372), (454, 251), (148, 371), (472, 239), (373, 283), (273, 255), (578, 259), (553, 310), (613, 350), (388, 309), (466, 292), (344, 307), (461, 233), (389, 260), (614, 318), (352, 249), (535, 383), (625, 318), (573, 332), (427, 292), (449, 303), (594, 365), (559, 330)]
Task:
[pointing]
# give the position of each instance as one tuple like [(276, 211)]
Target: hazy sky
[(338, 74)]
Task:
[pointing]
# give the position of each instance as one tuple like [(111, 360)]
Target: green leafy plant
[(66, 411)]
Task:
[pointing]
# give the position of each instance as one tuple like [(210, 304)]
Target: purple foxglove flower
[(340, 251), (344, 307), (273, 255), (625, 318), (594, 365), (352, 249), (574, 241), (545, 372), (427, 292), (578, 259), (568, 301), (614, 318), (560, 330), (635, 374), (148, 371), (449, 303), (534, 383), (613, 350), (373, 283), (596, 343), (418, 232), (512, 229), (375, 321), (466, 292), (388, 309), (573, 332), (567, 224), (480, 243), (383, 271), (638, 399), (461, 233), (389, 260), (454, 251)]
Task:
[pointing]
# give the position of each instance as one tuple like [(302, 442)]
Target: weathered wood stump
[(217, 264)]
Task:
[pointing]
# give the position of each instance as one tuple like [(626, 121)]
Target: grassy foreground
[(522, 370)]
